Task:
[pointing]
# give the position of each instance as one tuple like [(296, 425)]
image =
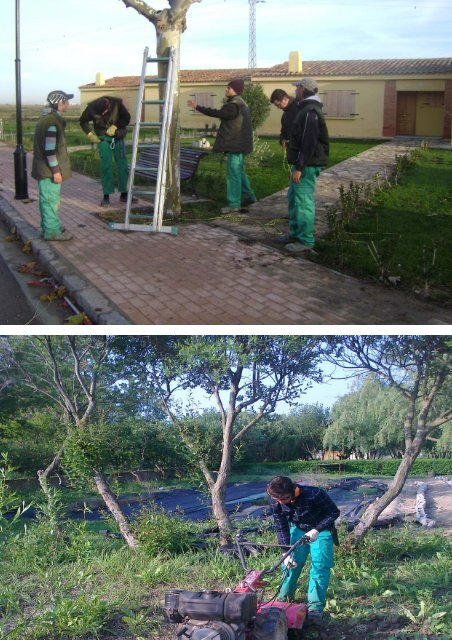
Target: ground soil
[(438, 502), (438, 498)]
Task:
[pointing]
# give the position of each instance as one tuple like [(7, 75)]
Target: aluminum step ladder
[(163, 147)]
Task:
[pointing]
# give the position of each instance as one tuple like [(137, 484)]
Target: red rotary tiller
[(239, 614)]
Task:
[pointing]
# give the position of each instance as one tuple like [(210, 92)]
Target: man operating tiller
[(299, 511)]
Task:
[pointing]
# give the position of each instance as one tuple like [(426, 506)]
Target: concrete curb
[(99, 308)]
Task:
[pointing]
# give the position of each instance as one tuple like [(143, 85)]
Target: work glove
[(93, 138), (289, 562), (111, 130), (312, 535)]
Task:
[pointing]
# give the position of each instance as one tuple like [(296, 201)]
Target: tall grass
[(74, 583)]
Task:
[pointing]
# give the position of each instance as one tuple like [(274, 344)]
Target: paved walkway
[(209, 274)]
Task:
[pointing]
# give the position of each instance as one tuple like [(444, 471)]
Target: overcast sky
[(64, 44)]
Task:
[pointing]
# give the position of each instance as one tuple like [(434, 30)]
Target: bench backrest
[(188, 157)]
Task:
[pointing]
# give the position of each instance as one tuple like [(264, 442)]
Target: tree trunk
[(115, 509), (166, 39), (218, 492), (169, 24), (373, 511)]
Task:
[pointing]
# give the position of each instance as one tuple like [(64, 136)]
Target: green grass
[(271, 175), (74, 583), (411, 228)]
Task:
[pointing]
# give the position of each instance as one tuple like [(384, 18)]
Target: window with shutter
[(204, 99), (339, 104)]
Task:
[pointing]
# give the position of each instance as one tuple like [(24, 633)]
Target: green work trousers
[(107, 153), (322, 561), (238, 188), (302, 206), (49, 201)]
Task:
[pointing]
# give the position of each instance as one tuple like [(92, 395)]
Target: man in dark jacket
[(307, 152), (289, 106), (51, 163), (303, 511), (235, 138), (105, 122)]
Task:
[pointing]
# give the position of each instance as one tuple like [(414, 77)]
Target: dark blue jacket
[(312, 509)]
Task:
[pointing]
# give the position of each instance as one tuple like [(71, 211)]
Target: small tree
[(258, 103), (67, 371), (245, 375), (419, 369)]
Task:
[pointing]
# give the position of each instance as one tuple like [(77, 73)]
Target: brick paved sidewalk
[(205, 275)]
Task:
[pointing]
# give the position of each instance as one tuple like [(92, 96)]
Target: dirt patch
[(438, 506)]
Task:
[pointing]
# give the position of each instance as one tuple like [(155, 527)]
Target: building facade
[(362, 98)]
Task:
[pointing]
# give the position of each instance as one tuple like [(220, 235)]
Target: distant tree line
[(362, 424)]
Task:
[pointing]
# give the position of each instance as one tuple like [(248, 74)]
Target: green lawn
[(410, 226), (270, 176)]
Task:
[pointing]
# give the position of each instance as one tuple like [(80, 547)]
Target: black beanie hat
[(237, 85)]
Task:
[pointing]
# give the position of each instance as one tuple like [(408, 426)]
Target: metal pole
[(20, 161)]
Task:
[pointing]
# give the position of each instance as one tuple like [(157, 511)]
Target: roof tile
[(317, 69)]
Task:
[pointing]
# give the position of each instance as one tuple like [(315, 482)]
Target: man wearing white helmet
[(51, 163), (307, 152)]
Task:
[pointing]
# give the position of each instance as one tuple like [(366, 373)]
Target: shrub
[(159, 533), (258, 103), (71, 617)]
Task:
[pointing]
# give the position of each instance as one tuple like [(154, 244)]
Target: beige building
[(362, 98)]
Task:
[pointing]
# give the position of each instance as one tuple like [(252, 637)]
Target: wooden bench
[(148, 161)]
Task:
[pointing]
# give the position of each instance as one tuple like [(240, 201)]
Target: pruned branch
[(165, 17)]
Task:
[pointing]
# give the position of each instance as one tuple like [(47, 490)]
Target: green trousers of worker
[(110, 148), (238, 187), (49, 201), (322, 561), (301, 203)]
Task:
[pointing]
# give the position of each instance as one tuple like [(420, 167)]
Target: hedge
[(421, 467)]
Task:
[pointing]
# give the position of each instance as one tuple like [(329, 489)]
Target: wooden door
[(406, 113)]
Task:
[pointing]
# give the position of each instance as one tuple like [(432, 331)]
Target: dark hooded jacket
[(235, 134), (117, 114), (309, 140), (287, 119)]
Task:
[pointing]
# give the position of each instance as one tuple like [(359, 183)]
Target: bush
[(258, 103), (159, 533)]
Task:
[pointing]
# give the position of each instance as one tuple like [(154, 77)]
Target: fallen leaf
[(50, 297), (78, 318), (61, 291), (28, 266), (26, 247)]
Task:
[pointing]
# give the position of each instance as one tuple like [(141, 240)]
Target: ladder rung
[(157, 123), (145, 170), (161, 59), (139, 192), (152, 80), (144, 145), (152, 102), (143, 227)]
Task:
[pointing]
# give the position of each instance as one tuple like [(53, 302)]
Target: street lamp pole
[(20, 161)]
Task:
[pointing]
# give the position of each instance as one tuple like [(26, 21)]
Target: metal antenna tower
[(252, 37)]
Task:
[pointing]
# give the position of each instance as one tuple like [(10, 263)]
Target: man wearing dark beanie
[(235, 138)]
